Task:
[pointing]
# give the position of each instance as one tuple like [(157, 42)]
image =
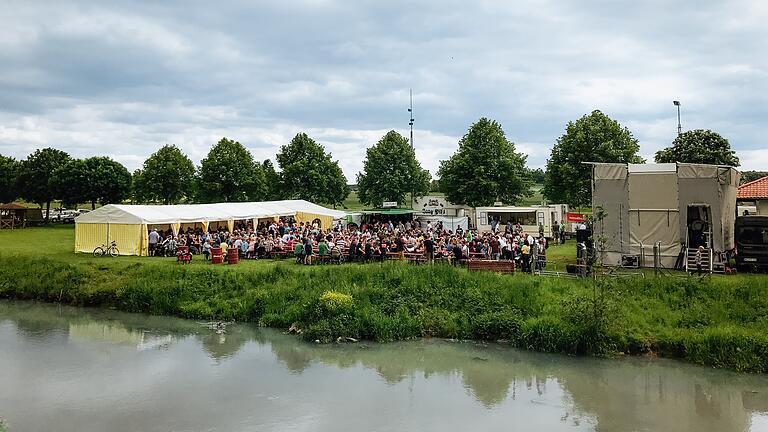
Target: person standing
[(495, 247), (298, 251), (562, 234), (400, 247), (353, 249), (429, 247), (206, 247), (307, 251), (457, 252), (699, 258), (368, 250), (154, 238), (525, 254), (556, 232)]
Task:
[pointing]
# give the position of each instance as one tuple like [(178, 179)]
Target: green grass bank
[(722, 321)]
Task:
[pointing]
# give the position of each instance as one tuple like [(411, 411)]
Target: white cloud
[(753, 160), (124, 78)]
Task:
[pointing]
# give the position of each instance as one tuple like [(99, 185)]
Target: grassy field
[(720, 321)]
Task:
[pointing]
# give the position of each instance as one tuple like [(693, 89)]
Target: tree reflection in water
[(617, 394)]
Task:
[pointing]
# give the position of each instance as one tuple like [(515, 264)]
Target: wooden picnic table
[(415, 257), (498, 266)]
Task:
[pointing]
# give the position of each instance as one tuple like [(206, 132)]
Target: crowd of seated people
[(370, 241)]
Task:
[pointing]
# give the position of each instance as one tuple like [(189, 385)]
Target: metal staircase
[(709, 262)]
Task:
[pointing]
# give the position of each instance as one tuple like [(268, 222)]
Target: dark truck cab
[(752, 243)]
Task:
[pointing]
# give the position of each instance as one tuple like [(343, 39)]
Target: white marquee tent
[(128, 225)]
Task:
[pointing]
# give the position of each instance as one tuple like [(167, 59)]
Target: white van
[(529, 218)]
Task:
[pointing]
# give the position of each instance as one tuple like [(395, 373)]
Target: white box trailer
[(529, 218)]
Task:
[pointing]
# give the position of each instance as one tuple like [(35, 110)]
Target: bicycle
[(104, 250)]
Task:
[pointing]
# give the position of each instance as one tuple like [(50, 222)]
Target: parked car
[(66, 216), (752, 243), (54, 214)]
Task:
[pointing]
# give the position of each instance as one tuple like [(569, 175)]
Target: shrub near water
[(721, 322)]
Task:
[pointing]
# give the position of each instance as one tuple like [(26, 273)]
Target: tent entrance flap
[(699, 225)]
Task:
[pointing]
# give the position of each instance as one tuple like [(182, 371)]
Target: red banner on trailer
[(575, 217)]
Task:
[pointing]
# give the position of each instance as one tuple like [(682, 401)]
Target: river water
[(77, 369)]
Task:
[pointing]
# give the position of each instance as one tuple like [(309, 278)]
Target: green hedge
[(720, 322)]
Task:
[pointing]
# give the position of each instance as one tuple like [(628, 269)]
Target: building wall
[(762, 207)]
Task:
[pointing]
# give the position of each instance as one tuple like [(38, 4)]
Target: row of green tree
[(227, 173), (49, 174), (485, 168)]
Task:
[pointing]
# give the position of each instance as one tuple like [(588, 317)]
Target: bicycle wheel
[(99, 251), (113, 252)]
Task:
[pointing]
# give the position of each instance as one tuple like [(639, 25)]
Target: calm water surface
[(74, 369)]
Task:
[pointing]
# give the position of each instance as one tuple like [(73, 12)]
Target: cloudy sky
[(123, 78)]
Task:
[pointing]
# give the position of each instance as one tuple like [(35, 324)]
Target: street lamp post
[(679, 126)]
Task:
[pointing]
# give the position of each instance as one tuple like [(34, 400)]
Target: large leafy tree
[(168, 176), (34, 180), (110, 181), (272, 178), (391, 171), (9, 171), (593, 138), (139, 187), (309, 173), (485, 169), (748, 176), (229, 174), (699, 146), (71, 183), (93, 180)]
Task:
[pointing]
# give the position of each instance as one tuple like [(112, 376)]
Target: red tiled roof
[(755, 189), (12, 206)]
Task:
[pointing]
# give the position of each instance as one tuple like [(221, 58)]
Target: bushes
[(723, 347), (492, 326), (548, 334), (721, 322)]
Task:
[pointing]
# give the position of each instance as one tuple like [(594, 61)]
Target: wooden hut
[(14, 216)]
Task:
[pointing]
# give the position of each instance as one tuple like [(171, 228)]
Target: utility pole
[(679, 126), (410, 123)]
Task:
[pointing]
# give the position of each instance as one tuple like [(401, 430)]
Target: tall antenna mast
[(410, 123)]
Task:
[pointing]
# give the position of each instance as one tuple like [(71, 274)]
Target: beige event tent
[(675, 207), (128, 225)]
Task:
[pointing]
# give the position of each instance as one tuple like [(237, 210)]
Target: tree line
[(486, 168)]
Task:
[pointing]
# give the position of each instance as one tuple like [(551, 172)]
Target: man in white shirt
[(154, 238)]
